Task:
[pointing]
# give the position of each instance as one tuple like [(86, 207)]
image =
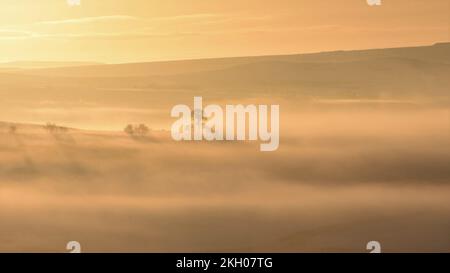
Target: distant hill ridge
[(387, 73), (39, 65), (438, 53)]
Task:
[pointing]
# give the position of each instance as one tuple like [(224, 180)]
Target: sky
[(120, 31)]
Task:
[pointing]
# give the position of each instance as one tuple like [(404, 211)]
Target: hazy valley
[(364, 155)]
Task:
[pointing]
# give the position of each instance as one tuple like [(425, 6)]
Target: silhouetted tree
[(129, 129), (137, 130), (53, 128), (142, 129)]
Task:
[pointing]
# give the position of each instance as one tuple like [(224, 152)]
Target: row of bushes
[(130, 129)]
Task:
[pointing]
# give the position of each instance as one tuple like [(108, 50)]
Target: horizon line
[(94, 63)]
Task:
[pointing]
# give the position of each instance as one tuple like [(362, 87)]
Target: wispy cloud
[(107, 27), (189, 17), (84, 20), (11, 34), (119, 26)]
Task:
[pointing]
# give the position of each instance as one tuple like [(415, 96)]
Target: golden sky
[(144, 30)]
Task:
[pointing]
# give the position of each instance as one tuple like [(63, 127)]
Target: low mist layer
[(343, 176)]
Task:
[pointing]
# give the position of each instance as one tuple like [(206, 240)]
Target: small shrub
[(12, 129)]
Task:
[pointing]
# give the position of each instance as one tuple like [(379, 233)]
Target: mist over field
[(364, 155)]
